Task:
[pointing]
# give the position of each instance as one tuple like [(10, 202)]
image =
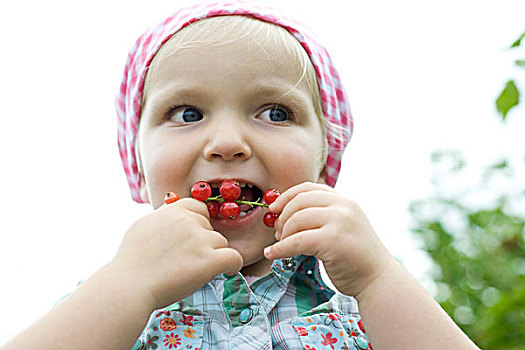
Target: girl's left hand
[(317, 220)]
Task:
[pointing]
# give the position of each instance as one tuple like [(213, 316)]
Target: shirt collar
[(303, 267)]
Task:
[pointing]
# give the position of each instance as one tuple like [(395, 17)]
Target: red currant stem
[(220, 199), (215, 199), (253, 203)]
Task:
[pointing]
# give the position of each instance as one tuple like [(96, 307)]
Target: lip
[(250, 219), (238, 179)]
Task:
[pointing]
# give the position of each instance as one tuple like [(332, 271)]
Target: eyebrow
[(290, 94), (160, 100), (279, 91)]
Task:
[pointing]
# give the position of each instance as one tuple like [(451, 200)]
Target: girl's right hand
[(174, 251)]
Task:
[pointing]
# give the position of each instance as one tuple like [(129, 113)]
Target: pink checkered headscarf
[(128, 102)]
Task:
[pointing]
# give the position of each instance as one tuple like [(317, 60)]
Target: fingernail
[(271, 206), (277, 235), (267, 251)]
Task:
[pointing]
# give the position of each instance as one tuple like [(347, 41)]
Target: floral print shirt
[(290, 308)]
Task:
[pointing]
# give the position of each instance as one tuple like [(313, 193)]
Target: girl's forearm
[(398, 313), (104, 312)]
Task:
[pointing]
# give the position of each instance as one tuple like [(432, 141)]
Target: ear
[(143, 191), (322, 177)]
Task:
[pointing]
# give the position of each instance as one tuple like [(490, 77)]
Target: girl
[(239, 91)]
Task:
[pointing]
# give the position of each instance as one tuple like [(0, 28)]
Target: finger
[(202, 220), (303, 200), (190, 204), (289, 194), (193, 218), (217, 240), (303, 220), (227, 260), (301, 243), (194, 209), (194, 205)]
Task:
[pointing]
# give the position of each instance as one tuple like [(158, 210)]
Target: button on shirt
[(290, 308)]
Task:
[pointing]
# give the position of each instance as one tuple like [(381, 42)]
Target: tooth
[(250, 185), (242, 214), (242, 184)]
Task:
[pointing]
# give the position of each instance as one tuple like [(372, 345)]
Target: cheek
[(297, 161), (166, 169)]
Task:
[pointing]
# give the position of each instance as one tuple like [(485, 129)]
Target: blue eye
[(276, 115), (184, 115)]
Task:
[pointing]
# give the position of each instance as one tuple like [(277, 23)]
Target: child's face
[(208, 116)]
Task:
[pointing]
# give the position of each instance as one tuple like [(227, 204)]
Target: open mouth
[(249, 193)]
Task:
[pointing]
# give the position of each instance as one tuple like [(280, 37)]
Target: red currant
[(230, 190), (201, 190), (230, 210), (271, 195), (171, 197), (213, 208), (269, 219)]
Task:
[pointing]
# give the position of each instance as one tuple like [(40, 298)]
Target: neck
[(258, 269)]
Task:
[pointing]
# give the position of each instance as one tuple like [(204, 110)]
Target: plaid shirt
[(290, 308)]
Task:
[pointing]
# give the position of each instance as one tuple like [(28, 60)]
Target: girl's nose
[(227, 142)]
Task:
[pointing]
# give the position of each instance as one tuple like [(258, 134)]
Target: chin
[(254, 262), (249, 255)]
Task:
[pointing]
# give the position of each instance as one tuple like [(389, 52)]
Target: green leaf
[(453, 157), (500, 165), (518, 42), (520, 63), (508, 98)]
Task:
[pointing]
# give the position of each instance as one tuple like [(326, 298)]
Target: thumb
[(227, 260)]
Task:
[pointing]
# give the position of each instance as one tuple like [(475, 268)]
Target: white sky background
[(420, 76)]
